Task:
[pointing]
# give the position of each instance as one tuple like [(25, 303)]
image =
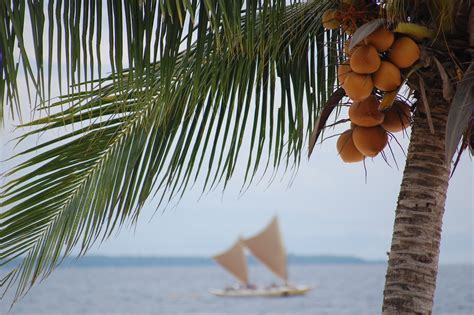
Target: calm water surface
[(338, 289)]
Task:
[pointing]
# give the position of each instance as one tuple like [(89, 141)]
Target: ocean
[(337, 289)]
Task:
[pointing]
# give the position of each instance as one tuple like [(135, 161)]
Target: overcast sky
[(328, 209)]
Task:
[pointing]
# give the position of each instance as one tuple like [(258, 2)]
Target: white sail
[(268, 247), (234, 261)]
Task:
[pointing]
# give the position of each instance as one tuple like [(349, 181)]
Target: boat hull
[(270, 292)]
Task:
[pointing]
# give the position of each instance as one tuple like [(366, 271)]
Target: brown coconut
[(404, 52), (330, 19), (342, 70), (370, 140), (381, 39), (397, 118), (365, 59), (346, 148), (358, 86), (388, 77), (366, 113)]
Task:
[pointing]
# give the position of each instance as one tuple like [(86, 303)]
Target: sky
[(328, 208)]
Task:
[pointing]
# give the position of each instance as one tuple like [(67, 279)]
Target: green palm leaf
[(220, 71)]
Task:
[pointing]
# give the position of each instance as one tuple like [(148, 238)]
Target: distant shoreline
[(184, 261), (99, 261)]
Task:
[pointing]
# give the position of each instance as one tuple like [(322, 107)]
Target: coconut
[(381, 39), (388, 77), (358, 86), (397, 118), (365, 60), (330, 19), (404, 52), (346, 149), (342, 70), (370, 140), (366, 112)]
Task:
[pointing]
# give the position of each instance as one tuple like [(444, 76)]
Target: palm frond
[(221, 71), (139, 33)]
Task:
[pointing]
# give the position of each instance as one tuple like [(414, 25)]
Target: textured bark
[(413, 259)]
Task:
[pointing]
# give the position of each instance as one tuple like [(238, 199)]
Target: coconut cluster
[(374, 65), (368, 134), (371, 69)]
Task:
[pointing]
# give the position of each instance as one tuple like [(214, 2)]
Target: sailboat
[(267, 247)]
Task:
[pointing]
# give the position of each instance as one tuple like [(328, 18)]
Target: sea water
[(337, 289)]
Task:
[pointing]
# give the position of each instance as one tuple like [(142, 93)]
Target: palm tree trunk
[(413, 260)]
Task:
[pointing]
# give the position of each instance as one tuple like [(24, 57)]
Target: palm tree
[(190, 80)]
